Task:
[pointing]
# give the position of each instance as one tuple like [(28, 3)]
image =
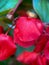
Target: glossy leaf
[(4, 13), (42, 9), (7, 4)]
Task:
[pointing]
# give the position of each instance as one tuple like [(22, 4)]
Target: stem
[(11, 13), (9, 30)]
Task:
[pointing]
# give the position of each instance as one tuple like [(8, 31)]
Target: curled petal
[(7, 47)]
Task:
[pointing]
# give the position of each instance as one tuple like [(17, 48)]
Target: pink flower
[(7, 47), (27, 30)]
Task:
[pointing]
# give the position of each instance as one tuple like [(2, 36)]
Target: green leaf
[(6, 20), (5, 62), (4, 13), (21, 49), (42, 9), (5, 23), (7, 4)]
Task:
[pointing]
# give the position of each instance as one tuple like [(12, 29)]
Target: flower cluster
[(27, 32)]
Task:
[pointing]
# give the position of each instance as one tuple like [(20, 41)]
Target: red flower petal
[(46, 50), (47, 28), (7, 47), (44, 60), (27, 31), (41, 43), (27, 57), (1, 29), (31, 58)]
